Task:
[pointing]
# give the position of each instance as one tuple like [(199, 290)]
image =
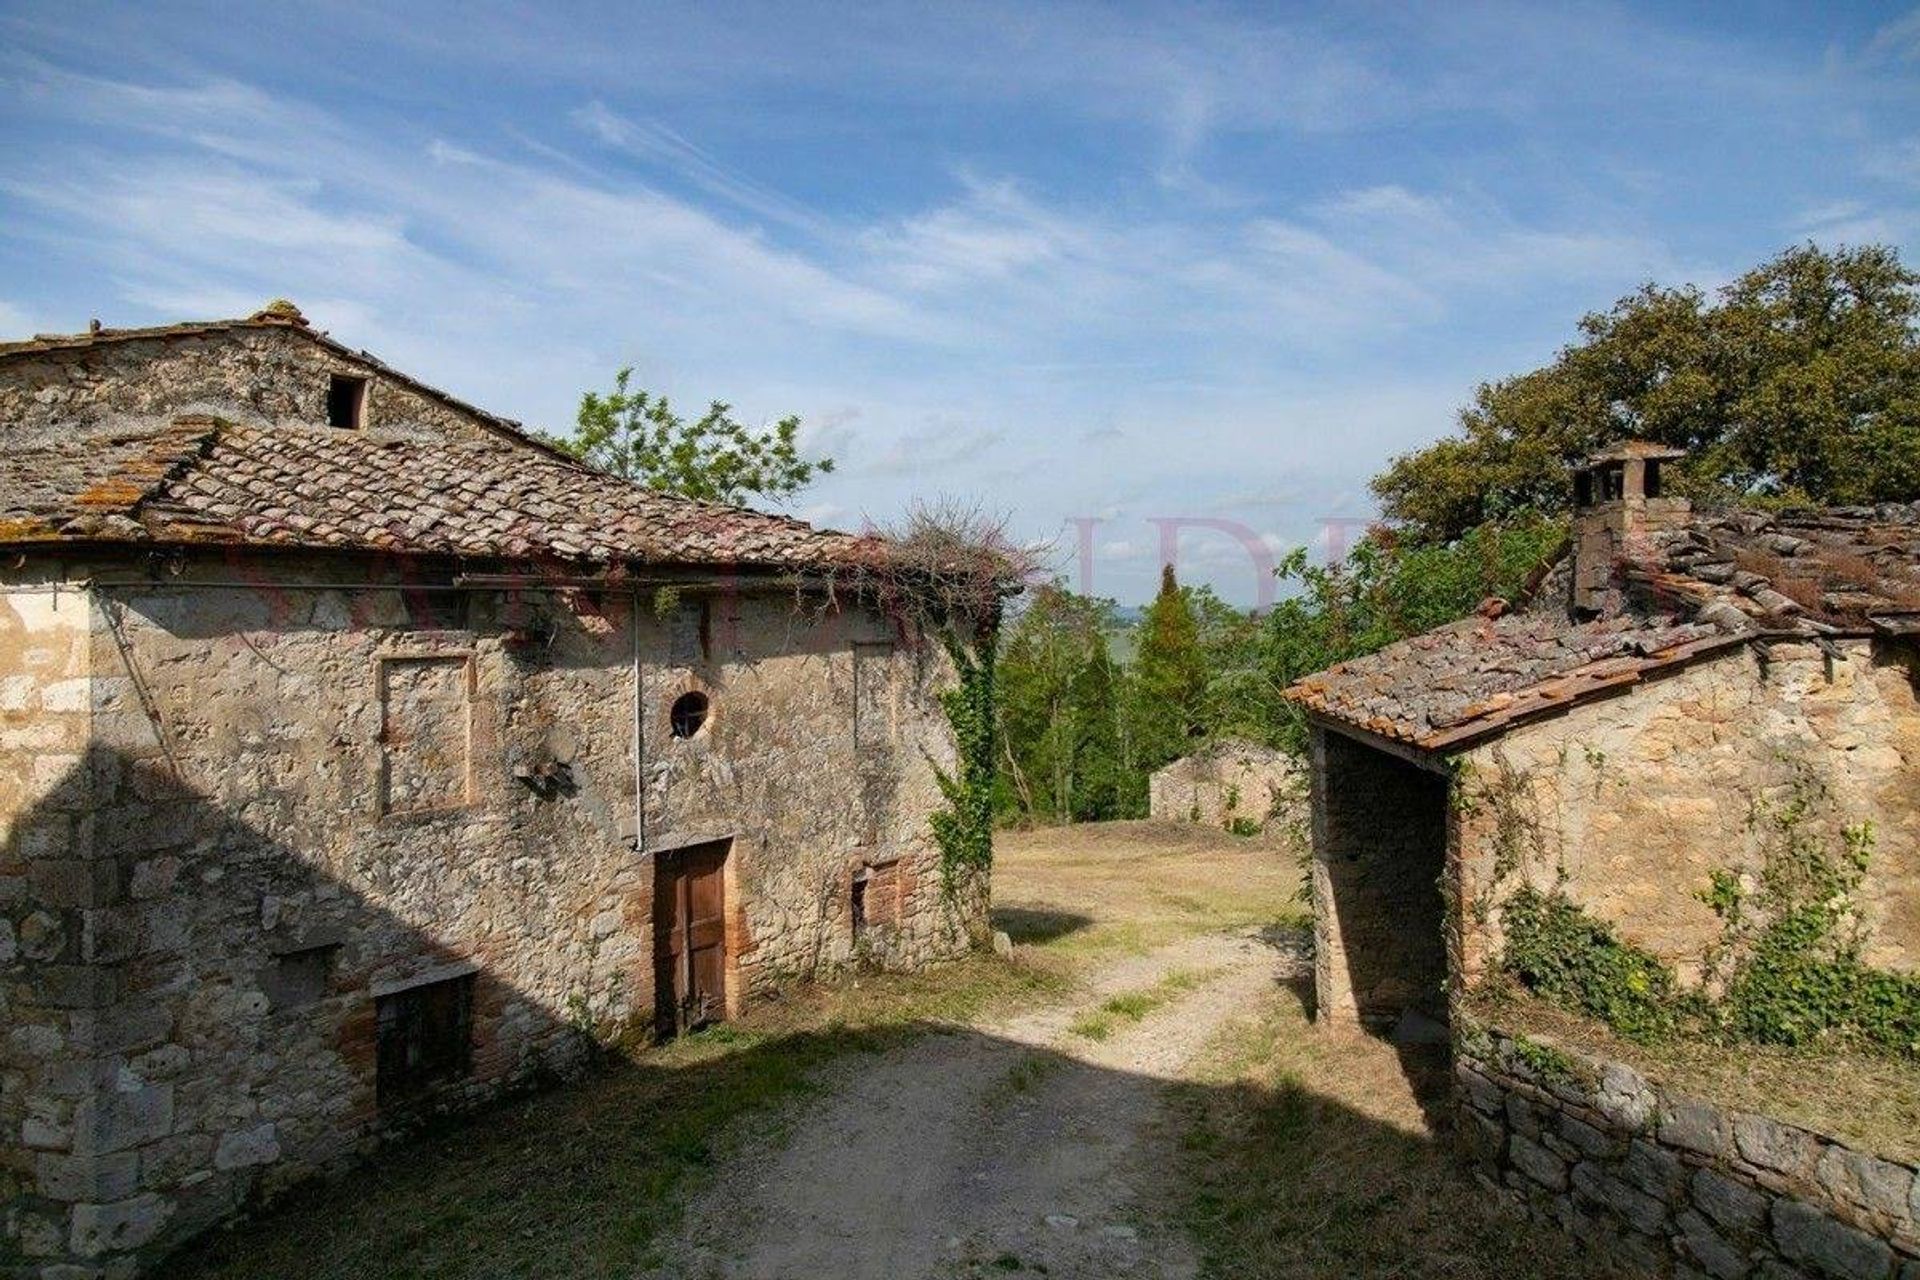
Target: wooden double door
[(690, 937)]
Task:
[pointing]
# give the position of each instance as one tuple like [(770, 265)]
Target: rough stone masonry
[(350, 771)]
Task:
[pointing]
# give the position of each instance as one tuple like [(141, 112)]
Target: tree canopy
[(634, 433), (1797, 382)]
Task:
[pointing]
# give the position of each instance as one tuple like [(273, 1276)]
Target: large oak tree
[(1798, 382)]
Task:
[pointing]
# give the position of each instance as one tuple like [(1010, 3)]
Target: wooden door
[(690, 937)]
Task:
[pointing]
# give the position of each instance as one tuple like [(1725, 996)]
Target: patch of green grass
[(582, 1180), (1133, 1006)]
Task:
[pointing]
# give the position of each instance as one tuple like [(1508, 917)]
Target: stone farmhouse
[(362, 757), (1614, 737)]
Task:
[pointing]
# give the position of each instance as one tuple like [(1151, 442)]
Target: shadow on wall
[(197, 1017), (587, 1181)]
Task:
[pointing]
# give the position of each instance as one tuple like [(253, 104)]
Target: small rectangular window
[(346, 401), (689, 636), (425, 1037), (297, 979)]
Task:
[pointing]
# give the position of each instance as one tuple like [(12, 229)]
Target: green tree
[(1798, 382), (636, 434), (1043, 697), (1100, 766), (1169, 678)]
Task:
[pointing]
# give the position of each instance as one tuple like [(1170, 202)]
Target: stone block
[(1589, 1141), (66, 696), (1481, 1093), (119, 1226), (1773, 1145), (1522, 1116), (106, 935), (170, 1160), (1537, 1163), (1696, 1126), (1624, 1097), (154, 878), (1879, 1186), (74, 882), (88, 1178), (1734, 1205), (125, 1028), (1832, 1249), (1655, 1170), (78, 986), (1641, 1211), (1704, 1245), (242, 1148), (120, 1119)]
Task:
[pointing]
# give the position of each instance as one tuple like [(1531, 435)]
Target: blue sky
[(1122, 265)]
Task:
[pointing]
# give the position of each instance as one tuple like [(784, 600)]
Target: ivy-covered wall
[(1649, 810)]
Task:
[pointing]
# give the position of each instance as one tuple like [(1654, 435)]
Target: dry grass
[(1308, 1154), (1077, 895), (1872, 1103)]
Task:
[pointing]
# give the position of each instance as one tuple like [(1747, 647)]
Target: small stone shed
[(1614, 737), (1227, 783), (362, 757)]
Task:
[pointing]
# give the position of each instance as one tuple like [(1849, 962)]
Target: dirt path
[(986, 1150)]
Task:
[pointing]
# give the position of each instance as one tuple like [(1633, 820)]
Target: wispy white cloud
[(1081, 260)]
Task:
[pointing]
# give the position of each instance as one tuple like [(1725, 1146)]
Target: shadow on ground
[(1272, 1177), (1031, 926)]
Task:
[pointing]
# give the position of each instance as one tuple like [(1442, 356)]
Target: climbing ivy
[(964, 829), (1787, 970), (1558, 951), (1792, 937)]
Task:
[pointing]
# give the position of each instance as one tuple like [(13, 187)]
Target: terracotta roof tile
[(1720, 580), (200, 480)]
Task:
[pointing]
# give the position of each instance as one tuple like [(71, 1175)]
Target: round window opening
[(689, 714)]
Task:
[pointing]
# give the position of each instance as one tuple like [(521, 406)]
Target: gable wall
[(1637, 799), (255, 376)]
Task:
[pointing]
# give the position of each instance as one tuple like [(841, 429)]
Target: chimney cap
[(1628, 450)]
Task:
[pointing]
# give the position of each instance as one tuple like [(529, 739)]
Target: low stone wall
[(1672, 1185)]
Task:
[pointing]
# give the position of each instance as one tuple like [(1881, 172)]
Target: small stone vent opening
[(425, 1038), (689, 714), (296, 979), (346, 402), (1380, 845)]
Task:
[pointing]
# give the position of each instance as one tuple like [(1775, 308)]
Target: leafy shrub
[(1558, 951)]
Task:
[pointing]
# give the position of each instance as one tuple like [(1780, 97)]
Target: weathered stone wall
[(1227, 783), (1631, 803), (254, 376), (1379, 840), (307, 795), (1672, 1185)]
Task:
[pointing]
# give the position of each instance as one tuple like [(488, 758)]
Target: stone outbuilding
[(1619, 738), (1231, 785), (362, 757)]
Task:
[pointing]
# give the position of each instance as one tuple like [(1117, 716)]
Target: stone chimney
[(1617, 501)]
